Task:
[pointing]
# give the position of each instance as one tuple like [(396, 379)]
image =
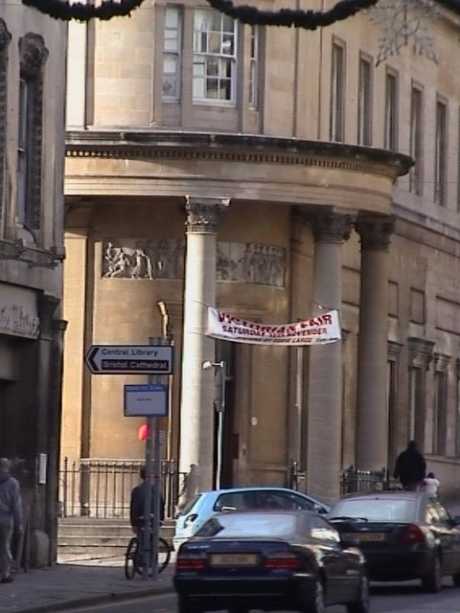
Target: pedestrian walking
[(10, 517), (410, 467), (431, 485)]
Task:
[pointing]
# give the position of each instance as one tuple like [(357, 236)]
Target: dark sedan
[(270, 561), (403, 535)]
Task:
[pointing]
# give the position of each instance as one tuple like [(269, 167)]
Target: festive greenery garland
[(61, 9), (310, 20)]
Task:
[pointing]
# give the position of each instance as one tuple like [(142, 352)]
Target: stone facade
[(311, 224), (32, 90)]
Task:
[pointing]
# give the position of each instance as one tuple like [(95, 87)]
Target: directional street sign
[(149, 400), (130, 359)]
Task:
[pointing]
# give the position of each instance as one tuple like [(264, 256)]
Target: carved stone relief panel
[(254, 263), (143, 259), (251, 263)]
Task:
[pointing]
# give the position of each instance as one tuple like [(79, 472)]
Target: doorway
[(226, 352)]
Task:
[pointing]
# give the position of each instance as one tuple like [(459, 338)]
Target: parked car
[(403, 535), (272, 561), (201, 508)]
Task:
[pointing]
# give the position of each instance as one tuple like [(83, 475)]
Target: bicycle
[(134, 557)]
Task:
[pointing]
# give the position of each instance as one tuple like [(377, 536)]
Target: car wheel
[(456, 579), (432, 582), (361, 605), (316, 602), (184, 606)]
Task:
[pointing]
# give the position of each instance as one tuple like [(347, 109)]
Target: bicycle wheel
[(130, 558), (164, 554)]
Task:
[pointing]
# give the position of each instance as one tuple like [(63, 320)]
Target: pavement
[(82, 583)]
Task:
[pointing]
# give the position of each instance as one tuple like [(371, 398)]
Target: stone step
[(99, 551), (94, 540), (98, 538), (91, 530), (105, 532)]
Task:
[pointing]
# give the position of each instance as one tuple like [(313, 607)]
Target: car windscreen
[(233, 525), (376, 509), (189, 506)]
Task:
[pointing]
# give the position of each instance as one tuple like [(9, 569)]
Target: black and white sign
[(130, 359), (150, 400)]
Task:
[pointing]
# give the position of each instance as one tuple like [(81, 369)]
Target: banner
[(318, 330)]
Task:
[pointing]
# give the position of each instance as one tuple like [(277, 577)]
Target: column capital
[(375, 232), (331, 227), (203, 214), (420, 352)]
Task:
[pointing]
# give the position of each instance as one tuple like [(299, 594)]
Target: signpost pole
[(155, 433), (149, 446)]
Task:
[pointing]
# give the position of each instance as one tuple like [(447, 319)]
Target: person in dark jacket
[(138, 495), (10, 517), (410, 467)]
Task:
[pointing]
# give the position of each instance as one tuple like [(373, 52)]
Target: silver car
[(204, 505)]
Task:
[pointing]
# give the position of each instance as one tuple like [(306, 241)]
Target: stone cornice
[(40, 258), (244, 148)]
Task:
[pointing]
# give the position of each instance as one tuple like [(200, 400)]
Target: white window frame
[(232, 58), (254, 46), (177, 54)]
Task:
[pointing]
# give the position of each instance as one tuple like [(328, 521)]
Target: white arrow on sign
[(130, 359)]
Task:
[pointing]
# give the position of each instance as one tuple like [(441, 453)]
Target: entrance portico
[(240, 260)]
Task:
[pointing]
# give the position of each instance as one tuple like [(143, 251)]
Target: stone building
[(32, 90), (267, 171)]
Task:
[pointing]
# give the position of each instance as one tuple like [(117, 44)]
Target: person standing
[(410, 467), (10, 517), (136, 510), (431, 485)]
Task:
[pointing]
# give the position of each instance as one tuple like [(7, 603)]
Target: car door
[(340, 567)]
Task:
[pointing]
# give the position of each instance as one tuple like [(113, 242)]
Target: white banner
[(318, 330)]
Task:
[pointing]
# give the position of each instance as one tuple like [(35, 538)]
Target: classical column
[(198, 388), (325, 373), (372, 434)]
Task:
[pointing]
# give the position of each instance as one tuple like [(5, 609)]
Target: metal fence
[(101, 488), (354, 480)]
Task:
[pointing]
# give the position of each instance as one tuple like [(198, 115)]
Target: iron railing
[(101, 488), (354, 480)]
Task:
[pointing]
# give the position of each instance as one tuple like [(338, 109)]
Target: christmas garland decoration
[(61, 9), (310, 20)]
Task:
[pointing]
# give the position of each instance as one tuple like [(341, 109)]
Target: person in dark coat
[(410, 467), (137, 503), (10, 517)]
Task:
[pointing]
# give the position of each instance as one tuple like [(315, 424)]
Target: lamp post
[(219, 405)]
